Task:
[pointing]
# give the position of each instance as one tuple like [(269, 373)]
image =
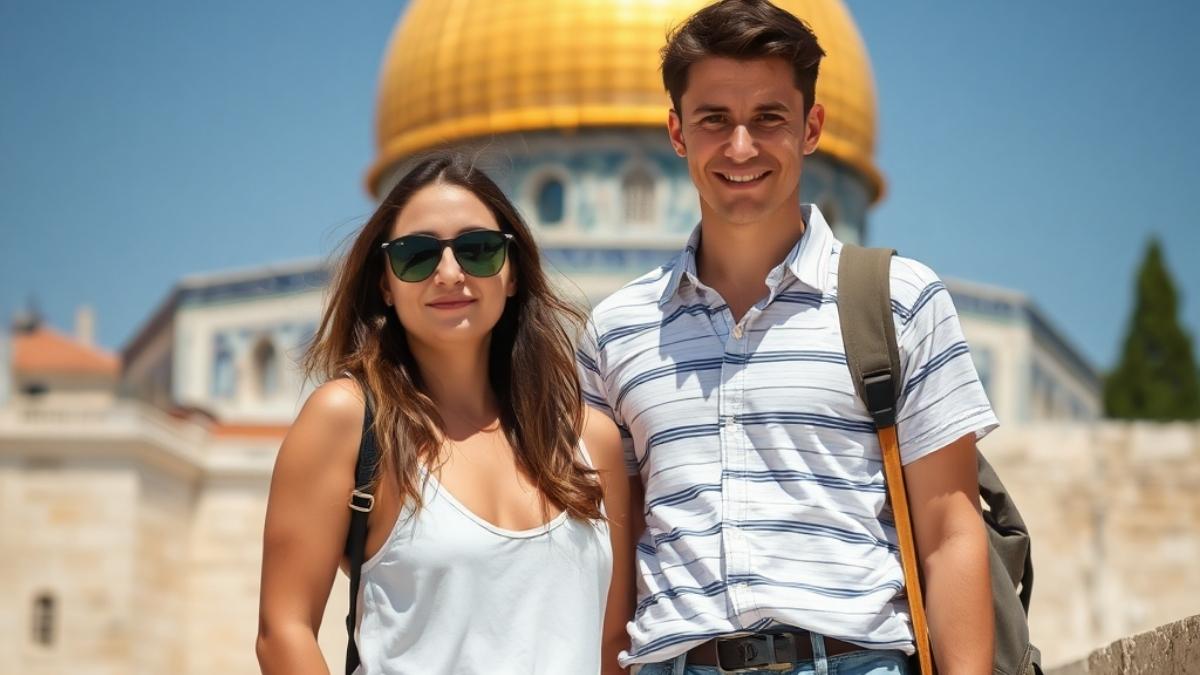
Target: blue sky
[(1030, 145)]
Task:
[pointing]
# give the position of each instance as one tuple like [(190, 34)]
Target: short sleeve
[(942, 398), (595, 391)]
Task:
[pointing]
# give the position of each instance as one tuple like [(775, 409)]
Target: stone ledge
[(1167, 650)]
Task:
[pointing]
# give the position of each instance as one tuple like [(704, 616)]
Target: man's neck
[(735, 258)]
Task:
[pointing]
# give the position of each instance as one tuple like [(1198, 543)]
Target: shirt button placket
[(734, 438), (724, 427), (747, 348)]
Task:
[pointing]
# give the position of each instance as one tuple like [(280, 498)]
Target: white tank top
[(450, 593)]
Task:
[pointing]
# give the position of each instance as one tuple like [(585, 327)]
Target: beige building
[(133, 488), (129, 532)]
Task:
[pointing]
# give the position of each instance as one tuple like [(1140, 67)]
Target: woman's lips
[(450, 304)]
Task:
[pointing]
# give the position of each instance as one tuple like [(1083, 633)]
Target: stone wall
[(1114, 511), (164, 516), (1173, 649), (69, 530), (223, 581), (223, 575)]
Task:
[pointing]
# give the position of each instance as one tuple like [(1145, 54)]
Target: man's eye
[(770, 118), (712, 119)]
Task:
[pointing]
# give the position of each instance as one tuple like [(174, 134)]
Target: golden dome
[(461, 69)]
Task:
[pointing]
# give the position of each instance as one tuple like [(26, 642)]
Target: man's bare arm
[(943, 495)]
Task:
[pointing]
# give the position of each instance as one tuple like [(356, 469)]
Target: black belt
[(763, 650)]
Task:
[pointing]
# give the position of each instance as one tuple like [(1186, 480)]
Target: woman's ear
[(384, 291), (510, 284)]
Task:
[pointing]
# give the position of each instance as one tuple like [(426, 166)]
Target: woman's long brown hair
[(531, 357)]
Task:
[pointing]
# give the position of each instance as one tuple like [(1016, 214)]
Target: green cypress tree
[(1157, 377)]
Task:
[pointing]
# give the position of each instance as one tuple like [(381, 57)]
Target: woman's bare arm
[(306, 526), (604, 444)]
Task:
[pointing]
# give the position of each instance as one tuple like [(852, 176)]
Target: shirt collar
[(808, 261), (684, 265), (809, 258)]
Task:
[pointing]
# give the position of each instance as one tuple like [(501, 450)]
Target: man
[(761, 478)]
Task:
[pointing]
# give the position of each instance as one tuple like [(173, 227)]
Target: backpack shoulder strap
[(361, 503), (864, 302), (865, 311)]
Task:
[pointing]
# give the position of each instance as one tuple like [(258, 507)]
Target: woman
[(499, 503)]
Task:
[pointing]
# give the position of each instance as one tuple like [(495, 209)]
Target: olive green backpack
[(869, 334)]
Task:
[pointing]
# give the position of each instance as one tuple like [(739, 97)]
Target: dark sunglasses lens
[(414, 258), (481, 254)]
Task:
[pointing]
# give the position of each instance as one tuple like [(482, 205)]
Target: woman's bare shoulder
[(328, 426), (603, 440), (338, 402)]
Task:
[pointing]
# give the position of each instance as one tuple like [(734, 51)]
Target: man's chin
[(744, 214)]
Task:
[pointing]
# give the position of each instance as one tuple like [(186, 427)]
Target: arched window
[(44, 619), (266, 368), (637, 191), (551, 201), (224, 376)]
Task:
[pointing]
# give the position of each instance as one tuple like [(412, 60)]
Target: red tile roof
[(44, 350)]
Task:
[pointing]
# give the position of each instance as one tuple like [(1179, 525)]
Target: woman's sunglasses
[(479, 253)]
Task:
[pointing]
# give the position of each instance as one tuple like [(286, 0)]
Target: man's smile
[(742, 177)]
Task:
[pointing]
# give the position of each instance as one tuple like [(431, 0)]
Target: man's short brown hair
[(741, 29)]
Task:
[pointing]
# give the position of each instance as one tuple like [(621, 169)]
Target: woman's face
[(450, 306)]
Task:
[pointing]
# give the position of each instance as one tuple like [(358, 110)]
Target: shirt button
[(737, 332)]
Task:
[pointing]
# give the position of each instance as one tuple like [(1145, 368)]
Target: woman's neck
[(456, 377)]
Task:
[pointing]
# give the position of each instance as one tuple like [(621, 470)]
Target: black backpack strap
[(361, 503), (865, 311)]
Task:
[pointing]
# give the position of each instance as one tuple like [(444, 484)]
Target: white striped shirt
[(765, 501)]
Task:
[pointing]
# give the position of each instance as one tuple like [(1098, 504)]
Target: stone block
[(1173, 649)]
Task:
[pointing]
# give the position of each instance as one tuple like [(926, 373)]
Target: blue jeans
[(865, 662)]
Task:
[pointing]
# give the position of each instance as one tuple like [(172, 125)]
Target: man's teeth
[(742, 179)]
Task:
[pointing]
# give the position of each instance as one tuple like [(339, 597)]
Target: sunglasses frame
[(442, 245)]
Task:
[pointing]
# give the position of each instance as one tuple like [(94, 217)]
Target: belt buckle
[(790, 641), (757, 651)]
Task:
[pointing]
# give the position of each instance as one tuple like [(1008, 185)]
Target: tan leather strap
[(893, 473), (869, 334)]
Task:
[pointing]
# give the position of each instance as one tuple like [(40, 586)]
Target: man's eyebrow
[(770, 106)]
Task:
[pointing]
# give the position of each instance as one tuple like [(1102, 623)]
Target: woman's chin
[(459, 332)]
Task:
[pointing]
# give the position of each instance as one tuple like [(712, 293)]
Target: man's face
[(742, 127)]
